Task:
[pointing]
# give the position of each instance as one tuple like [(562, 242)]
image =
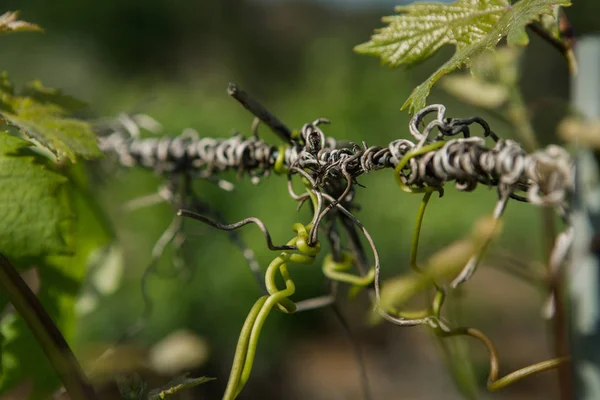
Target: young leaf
[(9, 23), (43, 114), (473, 26), (551, 23), (34, 213), (423, 28)]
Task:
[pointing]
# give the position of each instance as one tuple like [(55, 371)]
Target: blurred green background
[(173, 60)]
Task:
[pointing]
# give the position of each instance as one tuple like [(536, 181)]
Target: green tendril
[(242, 349), (279, 166), (440, 295), (335, 271), (248, 340), (411, 154), (495, 383)]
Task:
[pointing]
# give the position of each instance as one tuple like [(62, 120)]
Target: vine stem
[(46, 332), (565, 47)]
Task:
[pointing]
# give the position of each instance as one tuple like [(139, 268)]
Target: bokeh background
[(173, 60)]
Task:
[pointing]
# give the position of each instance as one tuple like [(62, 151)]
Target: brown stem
[(260, 112), (45, 331), (565, 47)]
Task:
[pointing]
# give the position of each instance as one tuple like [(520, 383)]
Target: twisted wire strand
[(545, 176), (236, 225)]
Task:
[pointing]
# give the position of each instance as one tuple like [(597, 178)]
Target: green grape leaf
[(43, 114), (551, 22), (423, 28), (9, 23), (473, 26), (60, 279), (34, 211)]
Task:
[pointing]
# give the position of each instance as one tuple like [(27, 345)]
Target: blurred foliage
[(9, 22), (43, 114)]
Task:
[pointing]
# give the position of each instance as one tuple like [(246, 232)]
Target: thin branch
[(45, 331), (565, 47), (260, 112)]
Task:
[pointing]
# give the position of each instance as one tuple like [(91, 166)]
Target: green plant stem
[(270, 302), (248, 340), (414, 247), (45, 331), (242, 349)]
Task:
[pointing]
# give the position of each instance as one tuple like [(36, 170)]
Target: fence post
[(584, 270)]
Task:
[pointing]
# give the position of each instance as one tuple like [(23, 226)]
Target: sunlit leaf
[(422, 28), (44, 114), (473, 26), (34, 213), (9, 22), (550, 22)]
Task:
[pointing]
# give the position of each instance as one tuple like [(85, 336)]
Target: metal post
[(584, 271)]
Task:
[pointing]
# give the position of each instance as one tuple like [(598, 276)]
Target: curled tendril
[(246, 350), (303, 253), (495, 383), (335, 270), (431, 316)]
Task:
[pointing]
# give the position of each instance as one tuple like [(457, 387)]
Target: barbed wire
[(546, 175)]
